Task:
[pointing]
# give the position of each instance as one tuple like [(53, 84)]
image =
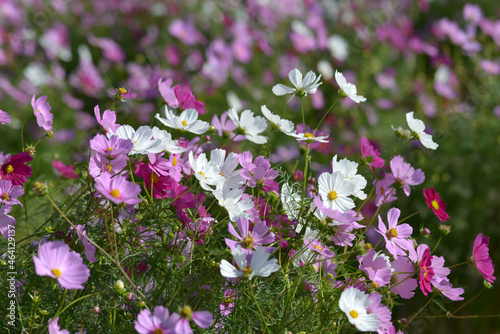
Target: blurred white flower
[(309, 85), (418, 127), (348, 89), (186, 121)]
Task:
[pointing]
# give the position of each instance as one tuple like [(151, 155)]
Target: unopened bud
[(96, 310), (445, 229), (129, 296), (119, 286), (41, 189), (426, 231)]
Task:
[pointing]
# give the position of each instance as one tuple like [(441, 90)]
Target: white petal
[(281, 90), (295, 78)]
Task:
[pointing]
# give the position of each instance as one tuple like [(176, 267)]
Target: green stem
[(418, 312), (258, 307)]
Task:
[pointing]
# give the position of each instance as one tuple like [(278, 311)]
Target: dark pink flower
[(370, 155), (67, 171), (426, 270), (481, 258), (435, 202), (14, 168)]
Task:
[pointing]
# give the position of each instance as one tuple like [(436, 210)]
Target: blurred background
[(440, 59)]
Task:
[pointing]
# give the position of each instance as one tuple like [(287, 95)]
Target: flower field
[(288, 166)]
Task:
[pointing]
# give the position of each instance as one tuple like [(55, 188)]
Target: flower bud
[(445, 229), (119, 286), (426, 231), (96, 310), (41, 189), (129, 296)]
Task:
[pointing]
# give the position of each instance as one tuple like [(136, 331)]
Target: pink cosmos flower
[(258, 172), (57, 261), (102, 164), (4, 117), (224, 126), (117, 189), (383, 312), (402, 283), (108, 120), (14, 167), (249, 240), (444, 286), (111, 147), (202, 319), (67, 171), (89, 249), (176, 97), (404, 175), (376, 266), (9, 194), (7, 223), (54, 327), (435, 202), (160, 321), (395, 235), (481, 258), (41, 109), (370, 155), (384, 190)]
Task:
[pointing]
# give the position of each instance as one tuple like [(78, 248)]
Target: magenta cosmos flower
[(395, 235), (481, 258), (425, 266), (4, 117), (435, 202), (14, 168), (117, 189), (41, 109), (370, 154), (158, 322), (57, 261), (67, 171)]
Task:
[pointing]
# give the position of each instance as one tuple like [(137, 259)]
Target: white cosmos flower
[(207, 173), (231, 200), (418, 127), (309, 137), (142, 139), (186, 121), (354, 304), (259, 265), (349, 169), (334, 191), (171, 145), (348, 89), (283, 125), (227, 167), (249, 125), (309, 85)]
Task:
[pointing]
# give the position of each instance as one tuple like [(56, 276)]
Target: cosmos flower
[(4, 117), (186, 121), (117, 189), (57, 261), (158, 321), (395, 235), (249, 126), (54, 327), (309, 85), (335, 192), (481, 258), (41, 109), (259, 265), (348, 89), (435, 202), (418, 127), (14, 167), (354, 303)]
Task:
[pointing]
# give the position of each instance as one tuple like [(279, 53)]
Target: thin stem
[(258, 307), (324, 116), (418, 312), (467, 302)]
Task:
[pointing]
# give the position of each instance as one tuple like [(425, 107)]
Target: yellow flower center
[(122, 91), (187, 312), (158, 331), (435, 205), (5, 197), (382, 190), (247, 271), (155, 178), (184, 123), (425, 274), (318, 247), (375, 285), (115, 193), (247, 242), (174, 161), (109, 167), (392, 233), (353, 314), (332, 195), (9, 169), (38, 110), (108, 149), (56, 272), (308, 135)]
